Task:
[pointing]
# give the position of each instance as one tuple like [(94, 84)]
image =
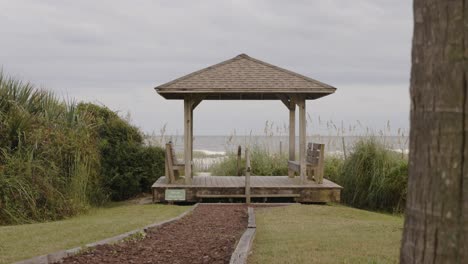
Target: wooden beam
[(239, 159), (188, 139), (302, 138), (191, 141), (196, 101), (288, 102)]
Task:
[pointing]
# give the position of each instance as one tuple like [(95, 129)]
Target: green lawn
[(325, 234), (25, 241)]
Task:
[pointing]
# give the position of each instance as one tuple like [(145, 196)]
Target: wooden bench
[(314, 161), (173, 165)]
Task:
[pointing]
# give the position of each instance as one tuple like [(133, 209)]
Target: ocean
[(223, 144), (215, 148)]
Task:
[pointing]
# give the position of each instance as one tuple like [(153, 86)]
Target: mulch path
[(207, 235)]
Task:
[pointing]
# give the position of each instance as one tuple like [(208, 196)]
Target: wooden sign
[(175, 195)]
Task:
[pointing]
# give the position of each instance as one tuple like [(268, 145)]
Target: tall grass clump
[(333, 167), (49, 158), (58, 158), (262, 163), (373, 177), (268, 164), (226, 167)]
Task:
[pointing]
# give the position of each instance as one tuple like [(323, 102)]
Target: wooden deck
[(262, 187)]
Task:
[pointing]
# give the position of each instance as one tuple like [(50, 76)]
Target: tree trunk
[(436, 216)]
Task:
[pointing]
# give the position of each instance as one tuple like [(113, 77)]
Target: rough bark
[(436, 217)]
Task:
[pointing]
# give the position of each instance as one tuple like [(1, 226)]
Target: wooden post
[(190, 103), (239, 157), (188, 139), (247, 176), (302, 138), (321, 164), (170, 176), (166, 167), (292, 135), (191, 140)]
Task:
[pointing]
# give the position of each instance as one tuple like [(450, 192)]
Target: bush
[(128, 167), (150, 165)]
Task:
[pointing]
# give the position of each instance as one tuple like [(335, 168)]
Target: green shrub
[(128, 167), (150, 165)]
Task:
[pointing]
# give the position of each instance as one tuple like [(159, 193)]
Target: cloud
[(115, 52)]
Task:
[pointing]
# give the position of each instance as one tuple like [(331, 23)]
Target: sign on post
[(174, 195)]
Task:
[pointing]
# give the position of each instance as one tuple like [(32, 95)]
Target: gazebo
[(246, 78)]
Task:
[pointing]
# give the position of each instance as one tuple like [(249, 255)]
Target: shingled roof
[(244, 77)]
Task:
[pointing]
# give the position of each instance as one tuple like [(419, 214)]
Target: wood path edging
[(243, 248), (59, 255)]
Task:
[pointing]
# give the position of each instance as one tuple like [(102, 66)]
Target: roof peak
[(242, 55)]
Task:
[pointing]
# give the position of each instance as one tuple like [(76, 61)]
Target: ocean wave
[(211, 152)]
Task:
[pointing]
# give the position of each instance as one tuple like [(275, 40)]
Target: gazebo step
[(268, 187), (290, 195)]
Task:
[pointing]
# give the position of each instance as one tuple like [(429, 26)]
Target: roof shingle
[(243, 75)]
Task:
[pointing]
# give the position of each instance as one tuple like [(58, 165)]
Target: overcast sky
[(115, 53)]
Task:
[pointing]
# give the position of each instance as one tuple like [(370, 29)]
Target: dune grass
[(263, 163), (325, 234), (373, 177), (19, 242)]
